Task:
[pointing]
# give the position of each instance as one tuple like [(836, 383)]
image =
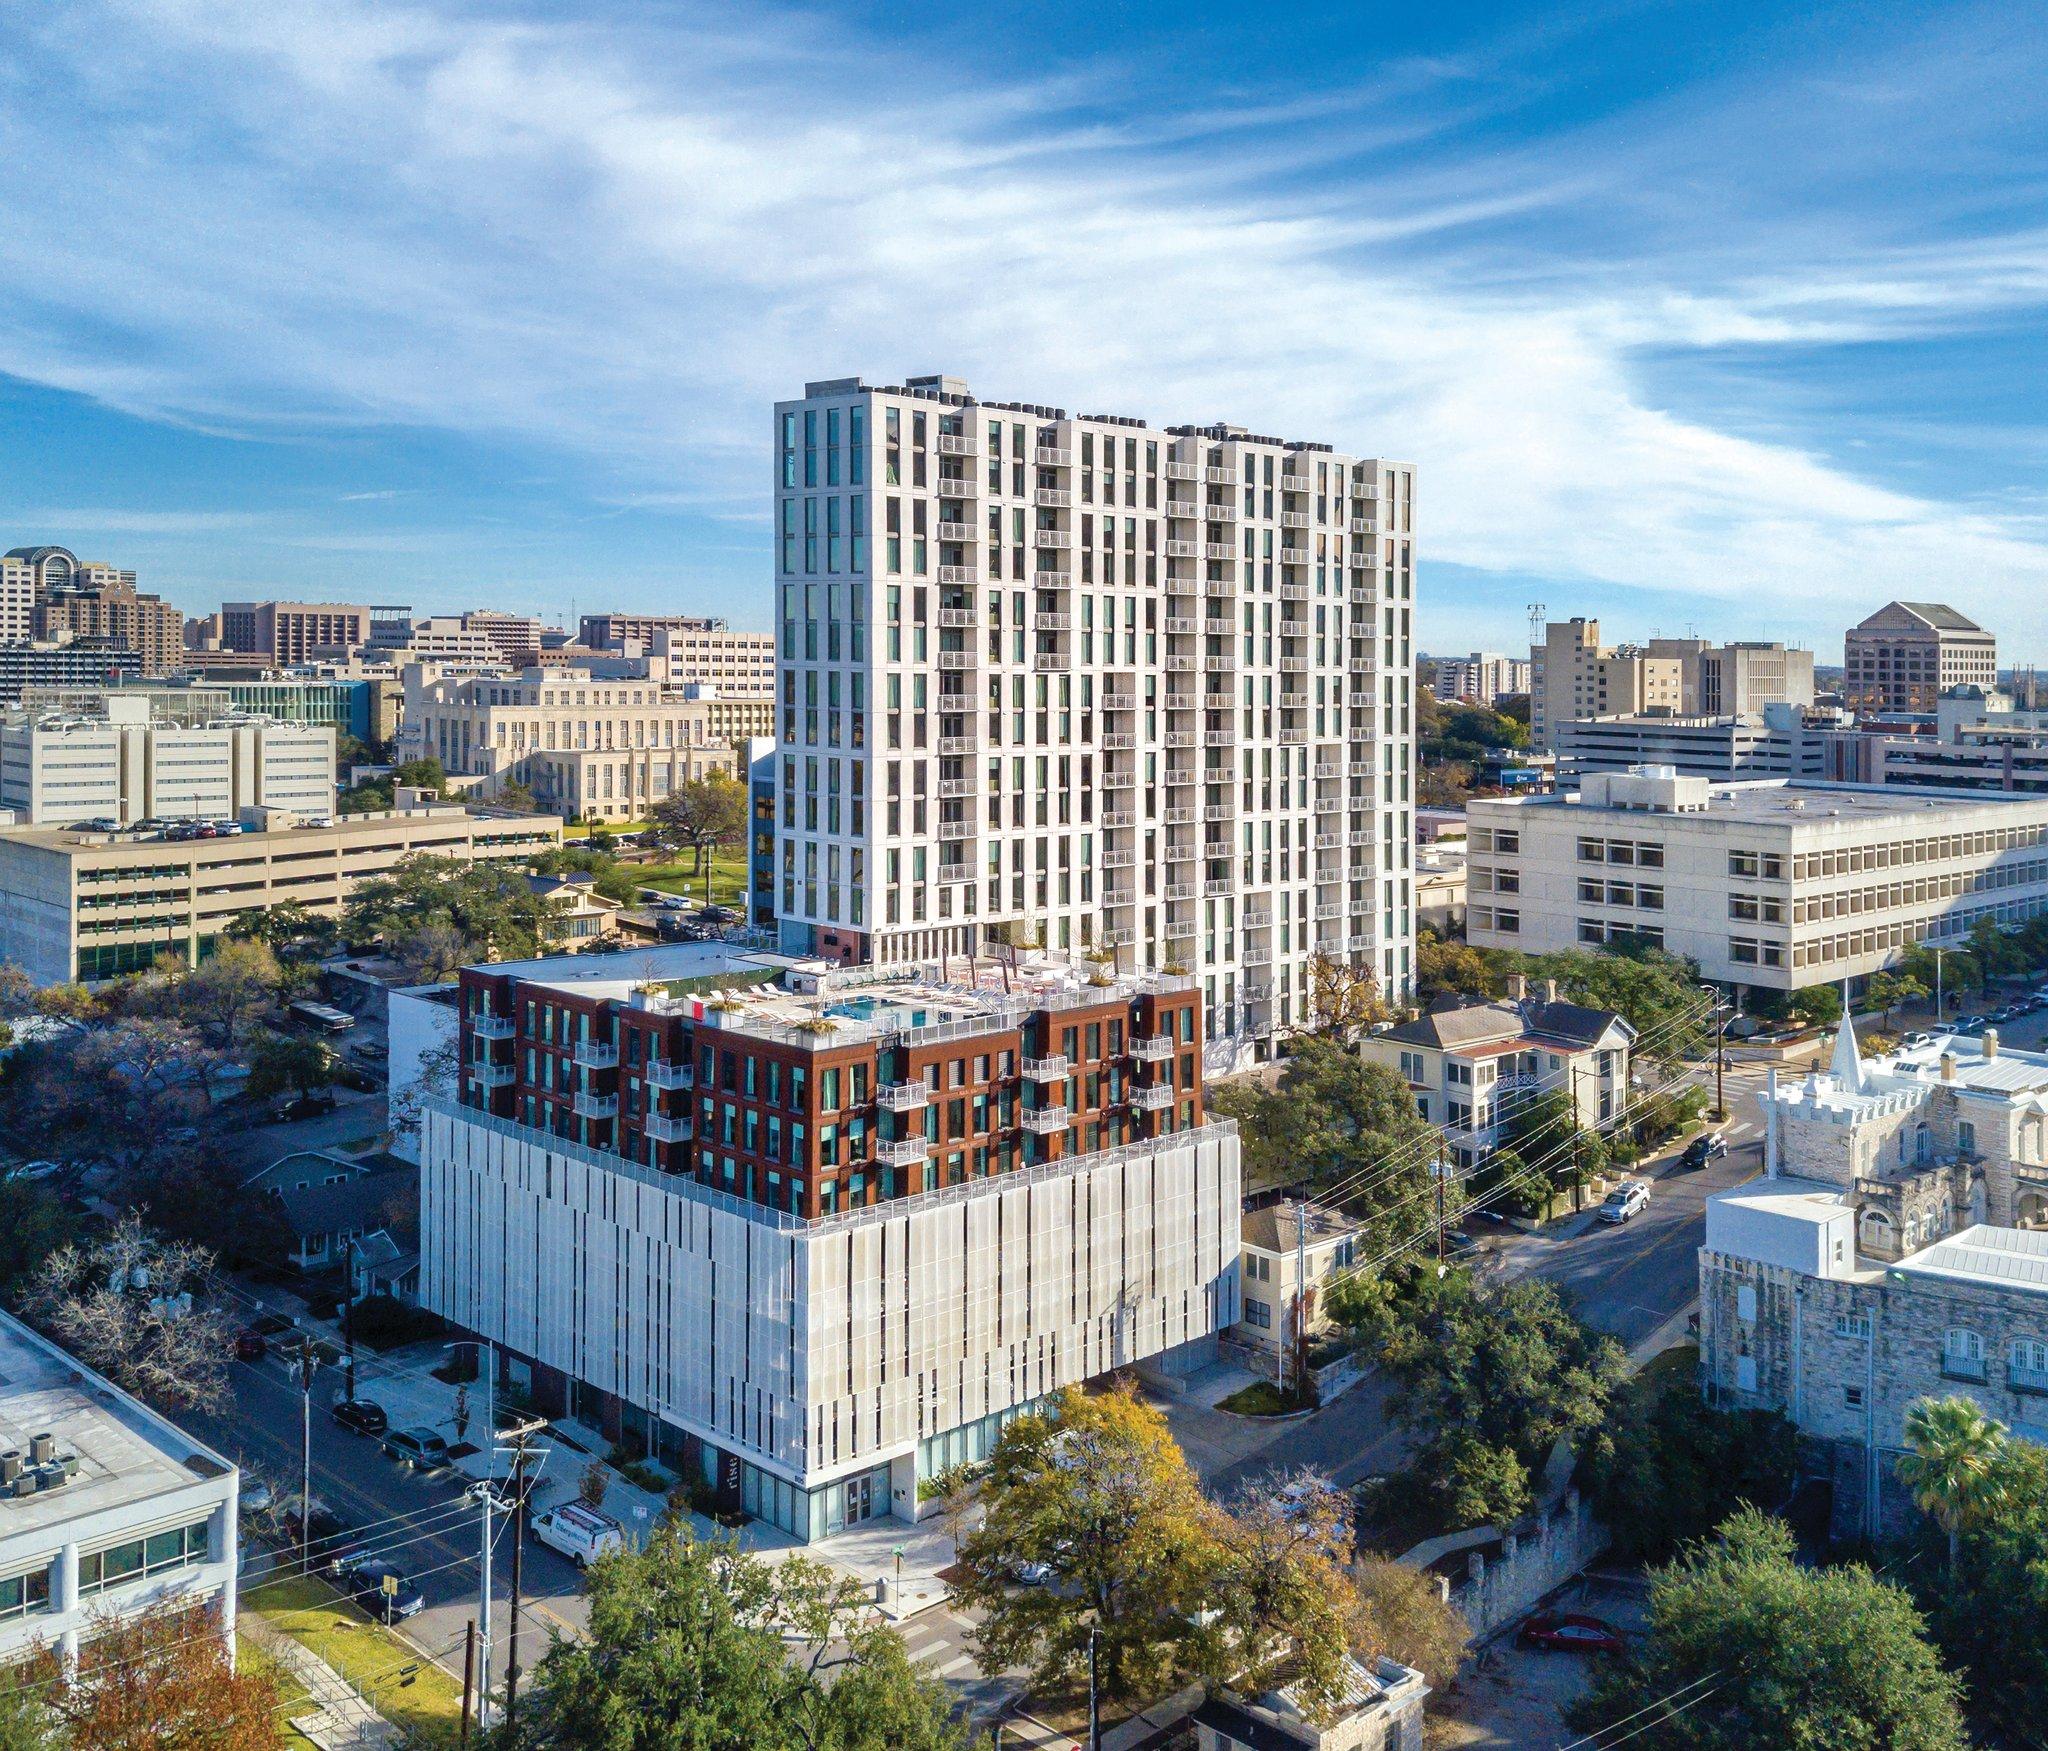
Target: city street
[(422, 1523), (1631, 1280)]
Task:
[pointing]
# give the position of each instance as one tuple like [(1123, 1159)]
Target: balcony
[(1180, 626), (2032, 1381), (1296, 520), (1151, 1048), (1049, 663), (1182, 775), (1220, 476), (1180, 815), (1328, 909), (956, 874), (1178, 738), (1123, 779), (597, 1055), (596, 1106), (1042, 580), (1183, 890), (1188, 509), (1176, 665), (495, 1075), (1051, 456), (1220, 665), (1119, 702), (902, 1151), (959, 619), (1217, 890), (1218, 512), (1183, 470), (492, 1027), (1219, 812), (1119, 817), (1054, 538), (1183, 549), (903, 1097), (1152, 1098), (959, 532), (1254, 919), (668, 1073), (1053, 1069), (1218, 628), (1293, 555), (1219, 738), (955, 444), (1182, 853), (666, 1129), (1361, 525), (1256, 991), (954, 830), (952, 789), (1051, 620), (1052, 498), (957, 660), (1219, 550), (1047, 1121), (1180, 929), (1256, 955), (1963, 1368), (954, 745), (1296, 483), (1294, 702)]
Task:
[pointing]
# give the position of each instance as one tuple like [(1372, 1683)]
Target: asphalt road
[(421, 1523)]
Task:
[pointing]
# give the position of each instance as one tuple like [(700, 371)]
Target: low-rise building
[(1381, 1709), (1290, 1251), (588, 748), (1896, 1249), (1440, 889), (706, 652), (132, 756), (106, 1508), (1776, 886), (1781, 741), (815, 1237), (1472, 1062), (88, 905), (24, 667)]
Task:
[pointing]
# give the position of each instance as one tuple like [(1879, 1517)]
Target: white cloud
[(630, 242)]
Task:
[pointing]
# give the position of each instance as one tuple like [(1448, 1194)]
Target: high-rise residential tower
[(1082, 681)]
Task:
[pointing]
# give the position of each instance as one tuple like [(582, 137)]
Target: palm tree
[(1952, 1467)]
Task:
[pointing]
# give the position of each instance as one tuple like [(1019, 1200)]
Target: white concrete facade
[(1086, 681), (1774, 885), (147, 1515), (126, 764), (816, 1351)]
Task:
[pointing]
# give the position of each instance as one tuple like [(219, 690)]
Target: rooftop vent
[(42, 1468)]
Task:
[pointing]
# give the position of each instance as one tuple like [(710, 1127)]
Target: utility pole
[(468, 1676), (1443, 1175), (309, 1362), (521, 1439), (485, 1493), (1094, 1712), (1300, 1294), (348, 1317)]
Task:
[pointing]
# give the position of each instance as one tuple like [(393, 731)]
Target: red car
[(1571, 1632)]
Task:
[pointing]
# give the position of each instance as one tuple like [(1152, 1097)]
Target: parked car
[(1461, 1246), (361, 1415), (36, 1170), (324, 1531), (580, 1533), (1629, 1199), (419, 1448), (1919, 1039), (381, 1589), (255, 1495), (253, 1341), (1570, 1632)]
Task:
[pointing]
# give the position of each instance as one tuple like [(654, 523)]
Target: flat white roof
[(126, 1452), (2015, 1257), (1798, 1200)]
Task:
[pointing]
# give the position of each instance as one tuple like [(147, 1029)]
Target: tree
[(1952, 1465), (489, 906), (1286, 1607), (1407, 1618), (1747, 1649), (159, 1679), (1656, 993), (1453, 966), (1479, 1484), (684, 1652), (517, 797), (1817, 1005), (701, 813), (1668, 1468), (1507, 1369), (141, 1310), (594, 1483), (289, 928), (438, 1072), (1888, 990), (1095, 1492), (33, 1224), (292, 1063), (231, 986), (1343, 999)]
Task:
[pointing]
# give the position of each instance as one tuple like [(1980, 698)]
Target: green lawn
[(1262, 1399), (429, 1708), (728, 878)]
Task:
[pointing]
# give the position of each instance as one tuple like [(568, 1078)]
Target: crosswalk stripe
[(963, 1664)]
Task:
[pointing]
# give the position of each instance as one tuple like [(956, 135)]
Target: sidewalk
[(344, 1721)]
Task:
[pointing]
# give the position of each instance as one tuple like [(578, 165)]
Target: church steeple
[(1847, 1063)]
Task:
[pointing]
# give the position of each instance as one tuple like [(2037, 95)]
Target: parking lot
[(1512, 1698)]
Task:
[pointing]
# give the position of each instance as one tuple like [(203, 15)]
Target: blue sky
[(1691, 317)]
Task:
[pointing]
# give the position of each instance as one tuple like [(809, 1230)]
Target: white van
[(581, 1534)]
